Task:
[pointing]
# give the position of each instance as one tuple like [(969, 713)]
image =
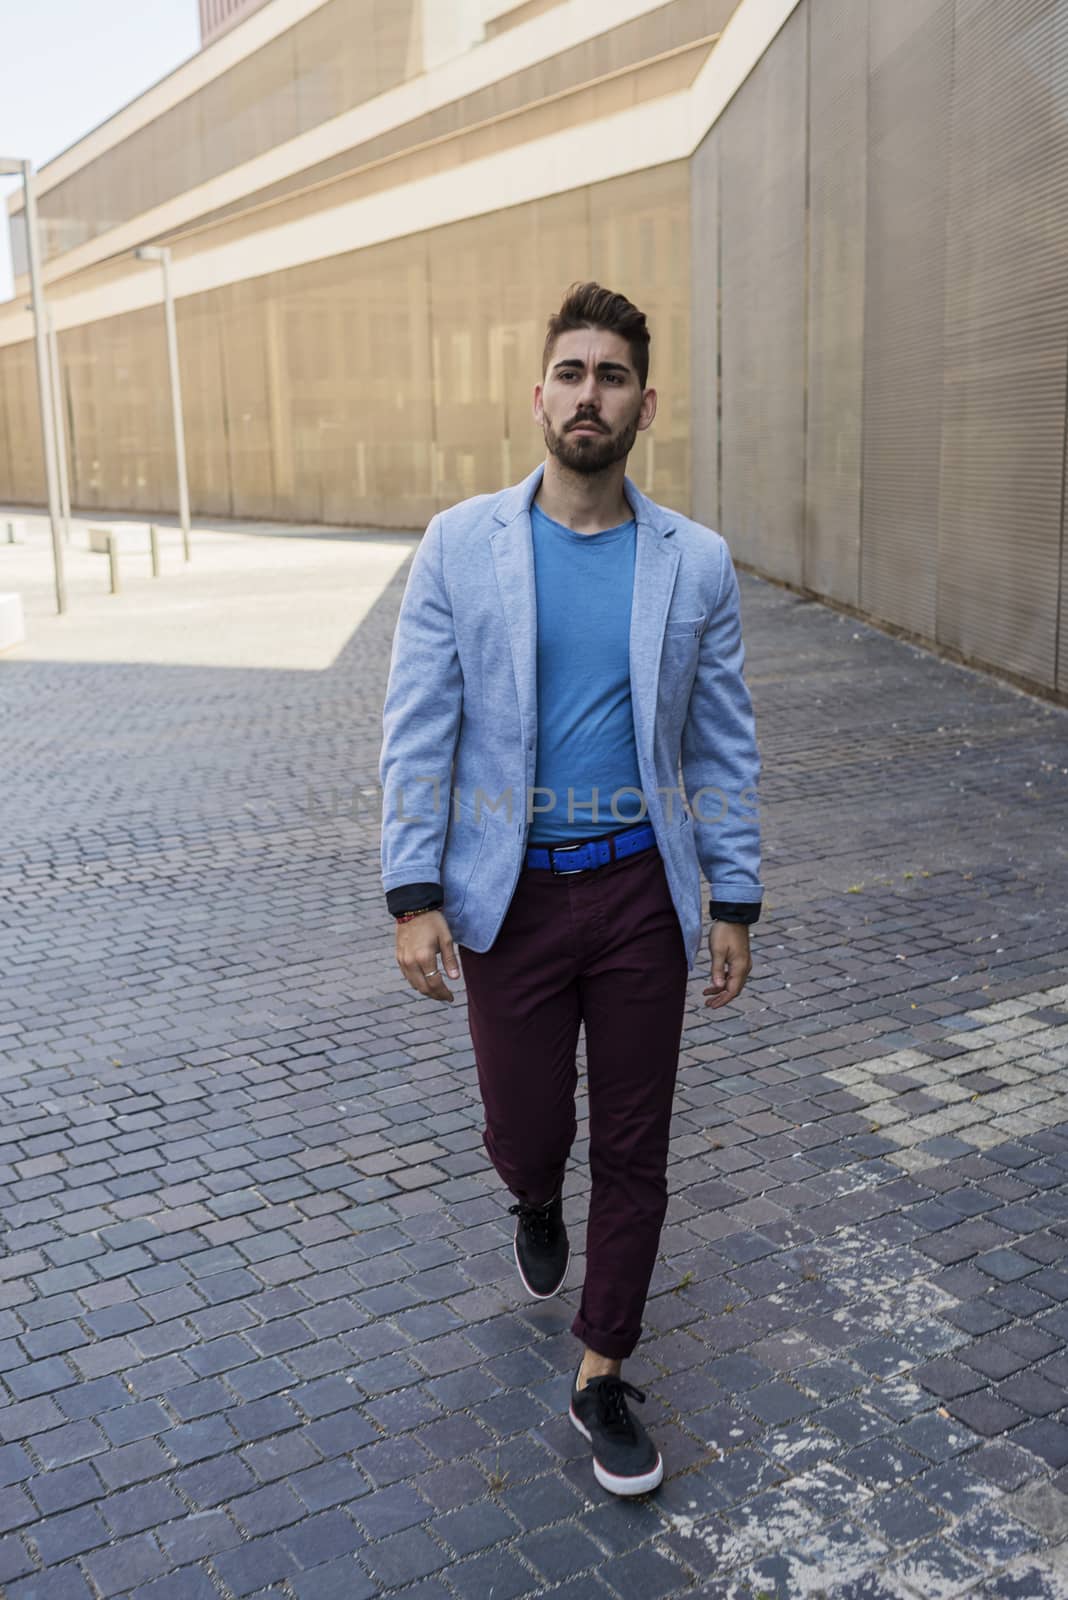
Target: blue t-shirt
[(584, 583)]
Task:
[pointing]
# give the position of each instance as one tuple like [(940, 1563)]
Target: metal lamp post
[(24, 169), (162, 254)]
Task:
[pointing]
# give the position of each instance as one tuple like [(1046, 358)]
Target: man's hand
[(419, 942), (728, 946)]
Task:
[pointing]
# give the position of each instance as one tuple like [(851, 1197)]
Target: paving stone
[(125, 1565), (252, 1566), (936, 1567), (340, 1580), (329, 1484), (403, 1557), (643, 1575), (474, 1528), (387, 1511), (497, 1572), (60, 1583)]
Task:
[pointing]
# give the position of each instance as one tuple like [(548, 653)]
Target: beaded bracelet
[(406, 916)]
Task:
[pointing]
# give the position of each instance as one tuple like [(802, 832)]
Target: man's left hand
[(728, 946)]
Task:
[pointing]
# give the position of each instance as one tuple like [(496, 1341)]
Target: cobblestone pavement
[(260, 1331)]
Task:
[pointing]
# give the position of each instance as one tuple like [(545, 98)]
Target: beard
[(590, 453)]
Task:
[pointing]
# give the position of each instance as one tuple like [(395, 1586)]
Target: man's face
[(590, 405)]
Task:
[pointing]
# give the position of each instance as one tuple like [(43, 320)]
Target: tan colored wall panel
[(909, 99), (762, 186), (1006, 338), (640, 246), (242, 330), (838, 79), (82, 378), (207, 445), (18, 395), (465, 306), (704, 328), (8, 423), (121, 447)]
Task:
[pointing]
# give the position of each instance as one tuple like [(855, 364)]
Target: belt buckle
[(560, 849)]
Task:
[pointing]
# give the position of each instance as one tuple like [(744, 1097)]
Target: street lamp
[(162, 254), (11, 167)]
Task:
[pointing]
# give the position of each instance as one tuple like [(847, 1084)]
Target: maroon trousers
[(605, 948)]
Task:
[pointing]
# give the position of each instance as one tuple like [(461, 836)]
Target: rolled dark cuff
[(414, 897), (730, 911)]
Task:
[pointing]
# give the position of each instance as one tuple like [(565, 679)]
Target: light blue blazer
[(460, 720)]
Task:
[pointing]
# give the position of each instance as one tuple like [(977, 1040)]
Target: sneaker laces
[(611, 1396), (536, 1220)]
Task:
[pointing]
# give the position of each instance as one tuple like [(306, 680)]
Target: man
[(560, 646)]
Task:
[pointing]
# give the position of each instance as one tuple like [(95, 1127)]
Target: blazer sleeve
[(720, 760), (420, 723)]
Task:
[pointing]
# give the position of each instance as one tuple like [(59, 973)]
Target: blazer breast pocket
[(685, 629)]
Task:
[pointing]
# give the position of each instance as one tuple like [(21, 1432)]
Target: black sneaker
[(542, 1251), (625, 1459)]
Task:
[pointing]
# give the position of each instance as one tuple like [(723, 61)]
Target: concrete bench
[(12, 627), (111, 541), (129, 536)]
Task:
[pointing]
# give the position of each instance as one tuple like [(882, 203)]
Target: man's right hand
[(420, 941)]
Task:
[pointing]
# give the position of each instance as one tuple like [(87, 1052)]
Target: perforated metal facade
[(880, 250)]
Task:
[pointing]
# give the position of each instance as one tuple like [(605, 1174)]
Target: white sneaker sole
[(608, 1480), (533, 1293)]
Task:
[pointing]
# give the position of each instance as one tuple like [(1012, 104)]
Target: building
[(217, 16), (843, 217)]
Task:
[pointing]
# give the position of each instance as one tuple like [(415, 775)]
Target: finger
[(416, 964), (438, 991), (413, 971), (448, 957), (735, 981), (736, 977), (718, 975), (430, 979), (718, 1000)]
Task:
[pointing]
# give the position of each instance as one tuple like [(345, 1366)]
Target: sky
[(67, 65)]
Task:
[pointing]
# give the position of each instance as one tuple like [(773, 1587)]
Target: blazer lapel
[(656, 562), (512, 545)]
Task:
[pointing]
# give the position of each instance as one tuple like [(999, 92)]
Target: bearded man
[(564, 647)]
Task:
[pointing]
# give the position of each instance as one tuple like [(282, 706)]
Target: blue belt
[(592, 852)]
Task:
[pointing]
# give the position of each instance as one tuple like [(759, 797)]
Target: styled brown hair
[(587, 305)]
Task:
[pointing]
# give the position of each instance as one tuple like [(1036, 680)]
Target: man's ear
[(539, 414), (648, 410)]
